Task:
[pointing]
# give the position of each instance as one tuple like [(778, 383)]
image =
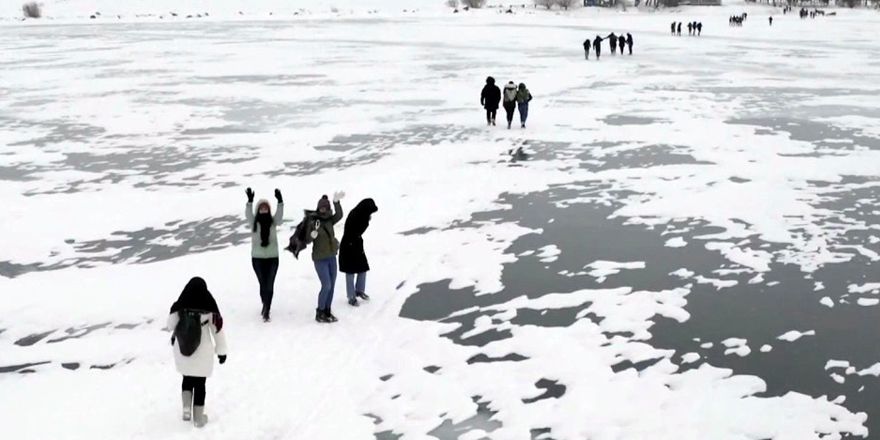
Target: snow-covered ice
[(126, 142)]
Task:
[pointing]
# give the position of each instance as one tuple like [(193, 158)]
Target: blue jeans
[(523, 112), (350, 288), (326, 269)]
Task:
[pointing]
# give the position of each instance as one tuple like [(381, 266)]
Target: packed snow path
[(126, 148)]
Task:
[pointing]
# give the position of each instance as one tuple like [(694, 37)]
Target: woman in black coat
[(352, 258)]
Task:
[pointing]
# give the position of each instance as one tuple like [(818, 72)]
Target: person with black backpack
[(264, 245), (197, 335), (352, 258)]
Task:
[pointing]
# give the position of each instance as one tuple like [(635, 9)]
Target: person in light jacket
[(264, 245), (523, 98), (196, 302)]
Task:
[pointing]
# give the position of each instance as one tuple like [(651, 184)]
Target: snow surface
[(216, 106), (794, 335)]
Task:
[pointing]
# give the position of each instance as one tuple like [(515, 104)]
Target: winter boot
[(200, 419), (328, 315), (320, 316), (187, 397), (363, 296), (353, 302)]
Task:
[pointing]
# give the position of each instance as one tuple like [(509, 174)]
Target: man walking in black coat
[(587, 44), (597, 46), (613, 43), (629, 43), (490, 98)]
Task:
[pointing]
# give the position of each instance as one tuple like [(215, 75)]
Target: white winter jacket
[(201, 363)]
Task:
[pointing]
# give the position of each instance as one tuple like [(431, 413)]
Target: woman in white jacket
[(198, 334)]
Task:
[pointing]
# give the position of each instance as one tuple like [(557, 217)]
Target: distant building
[(700, 2)]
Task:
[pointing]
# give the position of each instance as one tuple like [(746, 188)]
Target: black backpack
[(188, 331), (301, 237)]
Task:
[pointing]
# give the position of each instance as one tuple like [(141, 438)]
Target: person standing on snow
[(587, 44), (771, 20), (510, 102), (679, 29), (197, 335), (325, 247), (352, 258), (690, 28), (673, 28), (613, 42), (490, 98), (629, 43), (264, 245), (699, 29), (621, 41), (523, 98), (597, 46)]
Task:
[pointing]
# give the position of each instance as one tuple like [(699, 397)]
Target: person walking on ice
[(771, 20), (352, 258), (197, 335), (629, 43), (489, 98), (325, 247), (679, 29), (264, 245), (621, 41), (523, 98), (673, 28), (597, 47), (613, 42), (587, 44), (510, 102)]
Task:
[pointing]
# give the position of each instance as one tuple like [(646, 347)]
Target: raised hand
[(337, 196), (278, 196), (222, 359), (250, 195)]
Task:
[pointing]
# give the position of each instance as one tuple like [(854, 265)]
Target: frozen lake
[(687, 250)]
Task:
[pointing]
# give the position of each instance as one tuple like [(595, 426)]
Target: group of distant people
[(812, 14), (738, 20), (694, 28), (615, 41)]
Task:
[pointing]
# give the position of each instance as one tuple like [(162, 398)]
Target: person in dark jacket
[(673, 28), (587, 44), (629, 43), (324, 250), (196, 302), (490, 98), (679, 29), (690, 28), (613, 42), (523, 98), (352, 258), (699, 29), (621, 41), (264, 245), (597, 46)]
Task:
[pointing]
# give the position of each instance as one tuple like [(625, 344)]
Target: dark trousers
[(266, 269), (510, 107), (490, 114), (197, 386), (630, 49)]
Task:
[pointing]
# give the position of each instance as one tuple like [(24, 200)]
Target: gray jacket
[(258, 251)]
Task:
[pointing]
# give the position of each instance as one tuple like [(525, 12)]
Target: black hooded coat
[(352, 258)]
